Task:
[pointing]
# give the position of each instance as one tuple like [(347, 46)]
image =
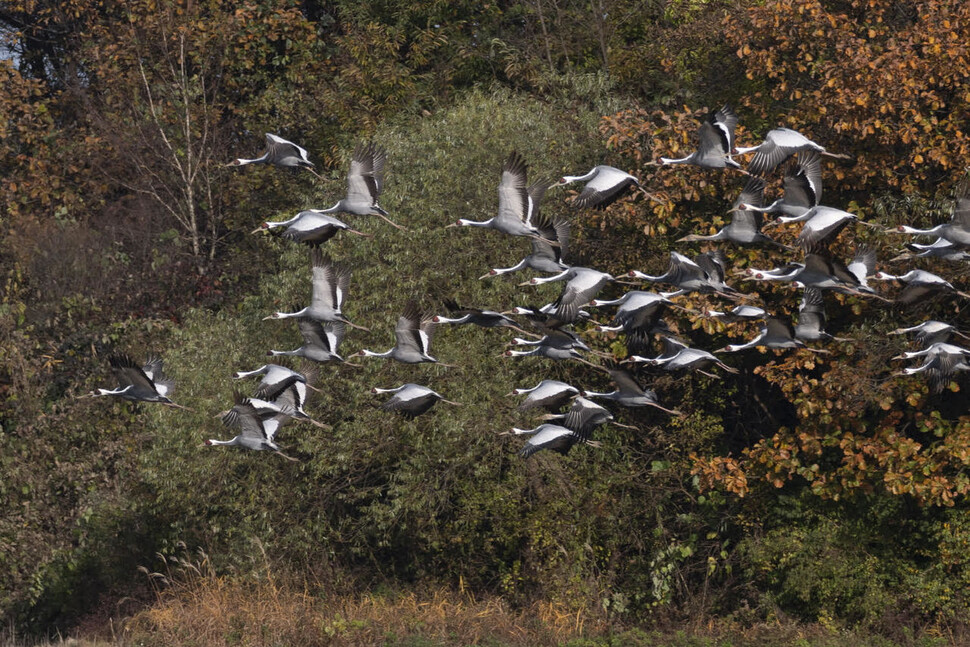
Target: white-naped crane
[(290, 394), (273, 374), (583, 416), (778, 146), (628, 393), (582, 286), (331, 282), (939, 248), (822, 225), (678, 356), (937, 348), (818, 271), (931, 332), (516, 208), (637, 309), (280, 152), (365, 183), (745, 225), (716, 142), (311, 227), (411, 400), (939, 369), (320, 341), (776, 333), (139, 383), (255, 432), (801, 186), (556, 344), (550, 394), (475, 316), (543, 319), (811, 318), (413, 334), (863, 266), (704, 274), (604, 185), (545, 257), (942, 361), (553, 437), (919, 284), (738, 313), (956, 230)]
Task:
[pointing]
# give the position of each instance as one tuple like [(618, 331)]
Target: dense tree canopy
[(821, 485)]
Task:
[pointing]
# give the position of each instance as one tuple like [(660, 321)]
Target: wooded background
[(820, 488)]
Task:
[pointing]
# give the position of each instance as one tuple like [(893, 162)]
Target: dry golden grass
[(226, 612), (198, 607)]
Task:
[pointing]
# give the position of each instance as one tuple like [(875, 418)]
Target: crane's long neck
[(568, 179), (697, 237), (474, 223), (288, 315), (448, 320), (647, 277), (611, 395), (523, 353), (256, 160), (802, 217), (259, 371), (394, 390), (507, 270), (551, 279), (744, 150), (369, 353), (679, 160), (213, 441), (613, 302), (922, 232), (119, 391), (337, 208), (292, 353)]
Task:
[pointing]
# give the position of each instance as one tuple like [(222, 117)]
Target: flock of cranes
[(282, 392)]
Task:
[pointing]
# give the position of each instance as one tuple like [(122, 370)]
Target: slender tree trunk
[(600, 19), (545, 35)]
